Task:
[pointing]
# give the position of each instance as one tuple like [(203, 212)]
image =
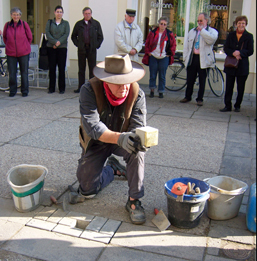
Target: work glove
[(130, 142)]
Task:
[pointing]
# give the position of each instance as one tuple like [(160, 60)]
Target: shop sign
[(215, 7), (164, 6)]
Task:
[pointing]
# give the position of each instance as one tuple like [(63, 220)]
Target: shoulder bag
[(231, 61)]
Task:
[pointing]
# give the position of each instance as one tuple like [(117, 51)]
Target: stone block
[(41, 224), (96, 224), (71, 231)]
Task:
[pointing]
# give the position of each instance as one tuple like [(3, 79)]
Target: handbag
[(231, 61)]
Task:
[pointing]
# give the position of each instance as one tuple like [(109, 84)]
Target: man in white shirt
[(128, 36)]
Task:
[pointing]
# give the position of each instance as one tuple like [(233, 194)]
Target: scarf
[(114, 101), (237, 32), (164, 38)]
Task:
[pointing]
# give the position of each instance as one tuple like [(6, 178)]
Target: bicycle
[(3, 64), (178, 76)]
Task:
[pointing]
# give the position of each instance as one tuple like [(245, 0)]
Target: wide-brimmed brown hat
[(119, 69)]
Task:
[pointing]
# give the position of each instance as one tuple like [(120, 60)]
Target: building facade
[(181, 13)]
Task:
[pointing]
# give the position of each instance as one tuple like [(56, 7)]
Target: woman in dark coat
[(240, 45)]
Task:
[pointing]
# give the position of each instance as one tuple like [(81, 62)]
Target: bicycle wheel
[(176, 77), (216, 81)]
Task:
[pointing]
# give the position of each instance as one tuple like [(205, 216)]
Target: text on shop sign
[(215, 7), (157, 5)]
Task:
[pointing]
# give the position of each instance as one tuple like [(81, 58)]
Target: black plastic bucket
[(186, 214)]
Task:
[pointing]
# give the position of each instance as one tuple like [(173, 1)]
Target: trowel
[(160, 220)]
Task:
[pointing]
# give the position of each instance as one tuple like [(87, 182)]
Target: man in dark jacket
[(112, 106), (87, 35)]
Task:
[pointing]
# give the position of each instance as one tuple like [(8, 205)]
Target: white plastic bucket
[(225, 197), (27, 184)]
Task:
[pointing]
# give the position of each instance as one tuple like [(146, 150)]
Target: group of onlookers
[(160, 47)]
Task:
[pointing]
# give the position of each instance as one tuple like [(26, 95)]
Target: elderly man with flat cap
[(128, 36), (112, 106)]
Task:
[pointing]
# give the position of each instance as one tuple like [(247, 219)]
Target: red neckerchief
[(164, 38), (114, 101)]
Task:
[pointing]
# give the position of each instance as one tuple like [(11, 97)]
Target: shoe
[(199, 103), (62, 92), (237, 110), (137, 215), (225, 109), (185, 100), (151, 94), (11, 94), (161, 95), (80, 193), (115, 165), (24, 95), (50, 92), (77, 91)]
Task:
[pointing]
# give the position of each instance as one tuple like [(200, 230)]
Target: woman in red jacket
[(160, 49), (17, 38)]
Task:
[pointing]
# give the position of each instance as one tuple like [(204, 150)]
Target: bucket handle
[(233, 192)]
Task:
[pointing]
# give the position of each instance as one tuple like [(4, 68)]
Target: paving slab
[(110, 227), (46, 245), (237, 149), (113, 253), (236, 167), (8, 230), (168, 243), (213, 246), (57, 216), (239, 137), (46, 137), (96, 224), (231, 234), (14, 127), (66, 230), (41, 224), (8, 255), (45, 213), (39, 110), (99, 237), (239, 127)]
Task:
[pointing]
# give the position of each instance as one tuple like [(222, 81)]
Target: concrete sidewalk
[(198, 142)]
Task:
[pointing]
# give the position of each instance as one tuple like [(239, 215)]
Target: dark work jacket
[(97, 115), (95, 34), (232, 45)]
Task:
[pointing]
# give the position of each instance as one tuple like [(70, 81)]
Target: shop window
[(222, 15)]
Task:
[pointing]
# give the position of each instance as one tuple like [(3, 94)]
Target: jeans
[(192, 71), (93, 176), (12, 68), (158, 66), (57, 57), (230, 81)]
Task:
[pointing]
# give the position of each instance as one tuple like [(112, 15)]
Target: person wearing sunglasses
[(198, 56), (160, 47)]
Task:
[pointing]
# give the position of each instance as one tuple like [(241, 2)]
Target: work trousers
[(12, 68), (93, 176), (57, 57), (91, 59), (192, 72), (158, 66), (230, 82)]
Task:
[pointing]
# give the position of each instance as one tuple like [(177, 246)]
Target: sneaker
[(237, 109), (199, 103), (50, 92), (137, 215), (161, 95), (115, 165), (86, 196), (24, 95), (61, 92), (11, 94), (185, 100), (151, 94)]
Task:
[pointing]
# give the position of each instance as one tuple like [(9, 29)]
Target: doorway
[(36, 13)]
